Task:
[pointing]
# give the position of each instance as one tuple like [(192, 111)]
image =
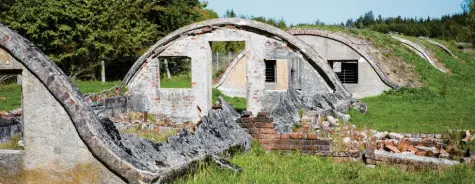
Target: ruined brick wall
[(262, 129), (180, 104)]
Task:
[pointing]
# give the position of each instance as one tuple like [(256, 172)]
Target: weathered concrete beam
[(135, 160), (377, 157), (443, 47), (422, 52)]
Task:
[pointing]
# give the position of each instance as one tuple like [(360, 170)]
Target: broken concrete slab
[(377, 157)]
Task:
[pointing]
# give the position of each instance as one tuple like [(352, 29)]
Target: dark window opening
[(347, 71), (270, 70)]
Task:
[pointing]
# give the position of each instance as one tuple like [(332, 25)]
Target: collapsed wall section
[(73, 137)]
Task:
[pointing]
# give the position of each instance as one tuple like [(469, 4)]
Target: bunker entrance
[(175, 72), (347, 71)]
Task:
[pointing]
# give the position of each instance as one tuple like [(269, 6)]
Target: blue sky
[(335, 11)]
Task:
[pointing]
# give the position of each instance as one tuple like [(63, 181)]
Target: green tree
[(471, 21), (79, 34)]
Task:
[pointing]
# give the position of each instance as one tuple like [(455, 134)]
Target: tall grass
[(274, 167), (444, 100)]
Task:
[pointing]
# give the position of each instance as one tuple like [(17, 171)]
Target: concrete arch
[(140, 161), (351, 44), (443, 47), (248, 25), (91, 131), (421, 52), (113, 154)]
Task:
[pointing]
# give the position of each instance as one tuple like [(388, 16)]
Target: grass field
[(445, 101), (12, 92), (261, 167), (179, 81), (10, 97), (240, 104)]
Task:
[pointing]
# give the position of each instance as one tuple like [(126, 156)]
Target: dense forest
[(459, 26), (79, 34), (448, 27)]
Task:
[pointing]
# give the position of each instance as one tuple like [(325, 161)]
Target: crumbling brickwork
[(262, 129)]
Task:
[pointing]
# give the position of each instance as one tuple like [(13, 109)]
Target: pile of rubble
[(433, 150), (398, 143)]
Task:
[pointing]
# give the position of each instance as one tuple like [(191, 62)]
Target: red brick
[(267, 146), (284, 136), (287, 147), (247, 120), (274, 141), (259, 125), (312, 136), (392, 148), (313, 148), (286, 141), (267, 130), (253, 130), (268, 125), (247, 125), (294, 135), (255, 136), (263, 141), (267, 136)]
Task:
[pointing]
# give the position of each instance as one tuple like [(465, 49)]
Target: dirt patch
[(395, 68), (81, 174)]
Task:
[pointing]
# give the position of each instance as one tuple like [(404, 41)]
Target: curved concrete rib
[(87, 124), (420, 51), (135, 160), (314, 58), (230, 67), (354, 46), (442, 47)]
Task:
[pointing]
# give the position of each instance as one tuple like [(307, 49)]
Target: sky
[(335, 11)]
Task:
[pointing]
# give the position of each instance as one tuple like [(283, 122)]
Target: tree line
[(448, 27), (79, 34)]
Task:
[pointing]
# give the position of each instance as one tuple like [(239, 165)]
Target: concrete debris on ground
[(391, 147)]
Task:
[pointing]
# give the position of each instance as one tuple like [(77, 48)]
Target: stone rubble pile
[(388, 147)]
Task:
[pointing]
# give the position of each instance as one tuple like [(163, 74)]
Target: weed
[(12, 144)]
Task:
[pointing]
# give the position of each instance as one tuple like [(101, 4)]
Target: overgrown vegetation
[(240, 104), (274, 167), (12, 144), (178, 81), (444, 100), (95, 86), (10, 97), (10, 94), (159, 136), (78, 35)]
